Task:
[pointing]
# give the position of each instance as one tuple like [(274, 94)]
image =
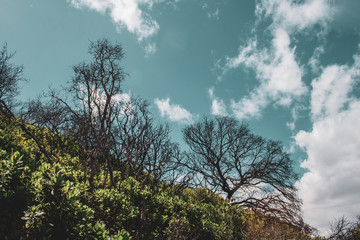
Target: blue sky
[(289, 68)]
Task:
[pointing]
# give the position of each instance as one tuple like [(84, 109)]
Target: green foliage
[(15, 170), (160, 213), (206, 215), (57, 186), (41, 199), (57, 209)]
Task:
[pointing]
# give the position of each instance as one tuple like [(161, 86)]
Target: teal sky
[(289, 68)]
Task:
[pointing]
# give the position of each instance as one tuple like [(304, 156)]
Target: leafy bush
[(15, 170), (43, 199)]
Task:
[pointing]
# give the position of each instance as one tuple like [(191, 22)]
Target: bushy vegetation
[(82, 163), (41, 200)]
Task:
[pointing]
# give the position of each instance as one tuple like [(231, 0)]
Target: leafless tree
[(10, 76), (114, 129), (88, 106), (96, 88), (145, 148), (251, 171), (344, 229), (50, 117)]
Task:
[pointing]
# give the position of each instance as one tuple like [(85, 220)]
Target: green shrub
[(44, 199)]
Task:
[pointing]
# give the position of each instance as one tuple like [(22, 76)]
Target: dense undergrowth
[(41, 200), (81, 163)]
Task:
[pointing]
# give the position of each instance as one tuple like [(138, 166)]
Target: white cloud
[(173, 112), (214, 14), (249, 107), (330, 91), (150, 48), (278, 72), (314, 60), (217, 105), (123, 100), (277, 69), (124, 13), (295, 15), (330, 189), (295, 114)]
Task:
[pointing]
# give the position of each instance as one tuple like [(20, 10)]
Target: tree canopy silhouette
[(10, 76), (250, 170), (113, 128)]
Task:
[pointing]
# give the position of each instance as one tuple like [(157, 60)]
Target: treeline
[(88, 162)]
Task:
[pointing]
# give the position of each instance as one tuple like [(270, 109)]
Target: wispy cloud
[(173, 112), (217, 105), (150, 49), (250, 106), (123, 100), (215, 14), (277, 70), (331, 90), (276, 67), (294, 15), (329, 189), (124, 13), (212, 9)]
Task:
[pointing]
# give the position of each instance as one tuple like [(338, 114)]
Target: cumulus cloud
[(217, 105), (332, 90), (173, 112), (329, 188), (124, 13), (276, 68)]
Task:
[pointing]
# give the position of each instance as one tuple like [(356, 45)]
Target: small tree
[(143, 147), (10, 76), (251, 171), (96, 88), (114, 130), (344, 229), (87, 108)]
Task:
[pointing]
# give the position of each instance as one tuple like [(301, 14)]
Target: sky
[(289, 68)]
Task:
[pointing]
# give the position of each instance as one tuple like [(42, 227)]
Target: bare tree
[(96, 89), (145, 148), (251, 171), (344, 229), (10, 76), (113, 129), (87, 108), (50, 116)]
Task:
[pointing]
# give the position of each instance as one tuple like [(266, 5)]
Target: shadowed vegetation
[(89, 162)]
